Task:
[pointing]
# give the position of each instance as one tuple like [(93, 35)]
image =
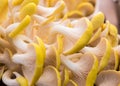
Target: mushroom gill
[(78, 40), (102, 52), (35, 56), (50, 76), (83, 67), (108, 78)]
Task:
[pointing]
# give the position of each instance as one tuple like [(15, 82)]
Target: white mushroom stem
[(27, 60), (72, 35), (21, 42)]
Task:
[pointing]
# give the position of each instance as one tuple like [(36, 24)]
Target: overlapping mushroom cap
[(51, 43), (84, 67), (108, 78)]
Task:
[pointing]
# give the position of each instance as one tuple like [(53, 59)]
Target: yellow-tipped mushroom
[(40, 57), (28, 9), (50, 76), (83, 40), (23, 24), (86, 8)]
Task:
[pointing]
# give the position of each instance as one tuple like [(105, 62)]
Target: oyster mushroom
[(53, 53), (76, 41), (73, 14), (84, 67), (24, 23), (108, 31), (51, 11), (113, 62), (50, 76), (86, 8), (25, 10), (97, 20), (52, 57), (102, 52), (108, 78), (112, 35), (31, 60), (20, 79), (75, 3), (7, 79), (44, 43), (79, 8), (14, 79), (65, 76), (19, 40), (110, 8), (5, 58)]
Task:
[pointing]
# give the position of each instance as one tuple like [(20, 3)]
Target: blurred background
[(111, 9)]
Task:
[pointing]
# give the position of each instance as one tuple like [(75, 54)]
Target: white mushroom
[(27, 60)]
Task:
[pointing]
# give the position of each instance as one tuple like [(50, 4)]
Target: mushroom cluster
[(57, 43)]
